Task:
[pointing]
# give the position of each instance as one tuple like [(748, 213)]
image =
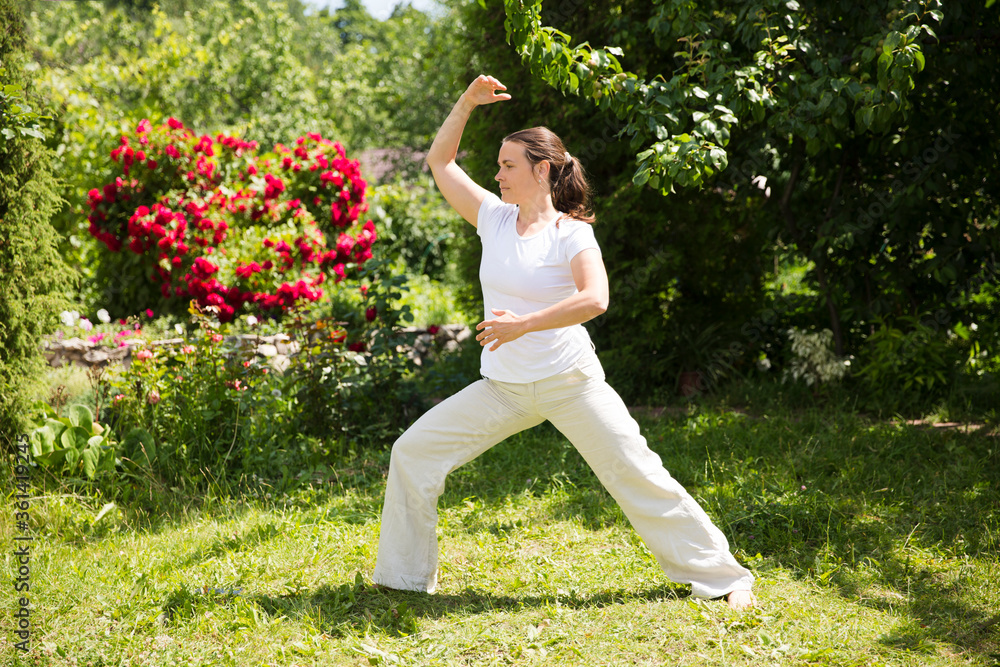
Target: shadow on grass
[(360, 608)]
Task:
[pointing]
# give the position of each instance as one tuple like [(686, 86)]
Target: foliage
[(15, 113), (209, 409), (732, 64), (72, 444), (861, 152), (208, 219), (416, 225), (815, 361), (916, 360), (34, 275), (196, 408), (348, 379)]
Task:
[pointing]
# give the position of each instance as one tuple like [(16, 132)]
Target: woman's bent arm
[(461, 191), (590, 300)]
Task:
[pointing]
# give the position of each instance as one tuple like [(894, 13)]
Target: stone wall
[(275, 349)]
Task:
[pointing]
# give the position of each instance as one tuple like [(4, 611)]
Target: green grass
[(874, 544)]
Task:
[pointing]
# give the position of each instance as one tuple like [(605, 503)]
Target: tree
[(34, 275), (804, 128)]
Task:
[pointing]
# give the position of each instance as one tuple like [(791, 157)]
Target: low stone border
[(275, 349)]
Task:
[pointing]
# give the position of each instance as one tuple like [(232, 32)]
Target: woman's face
[(517, 178)]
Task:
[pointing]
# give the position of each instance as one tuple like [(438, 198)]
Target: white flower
[(276, 393), (251, 320), (103, 316), (85, 324), (69, 317), (974, 326), (179, 328)]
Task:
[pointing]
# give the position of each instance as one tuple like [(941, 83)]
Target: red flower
[(175, 124), (371, 314)]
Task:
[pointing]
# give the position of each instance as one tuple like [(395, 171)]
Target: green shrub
[(909, 363), (34, 275), (417, 225)]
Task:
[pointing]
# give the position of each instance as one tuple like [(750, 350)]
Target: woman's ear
[(543, 170)]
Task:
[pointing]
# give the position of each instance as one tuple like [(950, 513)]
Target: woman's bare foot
[(741, 600)]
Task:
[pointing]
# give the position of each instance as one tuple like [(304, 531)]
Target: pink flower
[(154, 397), (175, 124), (149, 312), (143, 355), (119, 398), (216, 338), (187, 349)]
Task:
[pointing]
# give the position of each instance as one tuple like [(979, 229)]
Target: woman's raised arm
[(461, 191)]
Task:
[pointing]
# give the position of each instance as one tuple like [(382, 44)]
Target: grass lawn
[(874, 544)]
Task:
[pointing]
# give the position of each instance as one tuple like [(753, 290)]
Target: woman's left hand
[(506, 327)]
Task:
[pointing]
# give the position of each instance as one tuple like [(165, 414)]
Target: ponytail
[(568, 183)]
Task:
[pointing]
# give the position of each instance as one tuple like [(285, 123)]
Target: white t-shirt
[(525, 274)]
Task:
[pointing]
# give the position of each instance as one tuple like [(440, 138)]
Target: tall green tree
[(854, 137), (33, 275)]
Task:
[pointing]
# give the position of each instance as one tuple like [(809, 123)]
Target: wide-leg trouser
[(685, 542)]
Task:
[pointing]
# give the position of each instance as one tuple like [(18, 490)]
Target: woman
[(542, 277)]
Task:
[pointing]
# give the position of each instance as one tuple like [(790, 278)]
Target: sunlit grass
[(874, 544)]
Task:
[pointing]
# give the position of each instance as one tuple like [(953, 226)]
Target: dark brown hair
[(570, 190)]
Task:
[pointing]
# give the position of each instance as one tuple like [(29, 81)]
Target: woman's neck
[(533, 213)]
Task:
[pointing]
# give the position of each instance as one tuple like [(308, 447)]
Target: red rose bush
[(209, 219)]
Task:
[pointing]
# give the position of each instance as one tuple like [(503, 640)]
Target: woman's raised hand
[(484, 90)]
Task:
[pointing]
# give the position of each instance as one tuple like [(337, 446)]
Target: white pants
[(687, 545)]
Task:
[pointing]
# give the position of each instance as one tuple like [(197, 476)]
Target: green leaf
[(864, 117), (641, 176), (80, 415), (57, 427), (72, 458), (42, 441), (91, 457), (892, 40), (140, 446), (884, 61)]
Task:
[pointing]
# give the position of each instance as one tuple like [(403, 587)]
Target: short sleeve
[(490, 211), (580, 237)]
